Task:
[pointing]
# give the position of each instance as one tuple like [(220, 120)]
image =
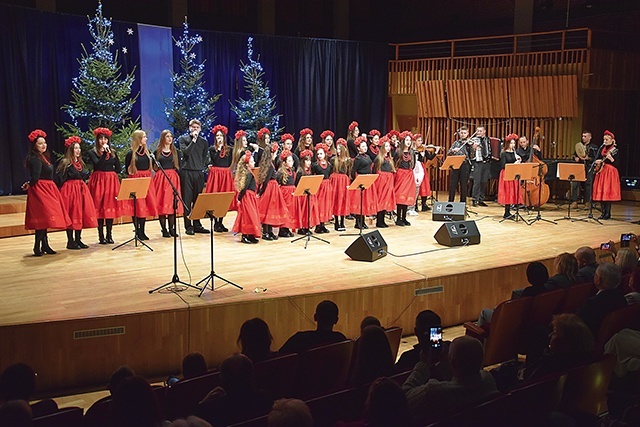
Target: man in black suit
[(326, 317), (587, 264), (608, 299)]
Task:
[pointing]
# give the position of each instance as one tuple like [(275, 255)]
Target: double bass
[(537, 191)]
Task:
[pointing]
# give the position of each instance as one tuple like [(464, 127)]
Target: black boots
[(78, 234), (45, 244), (108, 238), (218, 227), (606, 210), (425, 207), (162, 219), (507, 211), (285, 232), (267, 232), (339, 223), (101, 238), (37, 246), (71, 243), (248, 238), (321, 229), (140, 228), (360, 222), (401, 219), (380, 220)]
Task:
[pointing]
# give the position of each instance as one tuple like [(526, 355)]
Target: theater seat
[(65, 417), (616, 321), (575, 296), (323, 369), (586, 387)]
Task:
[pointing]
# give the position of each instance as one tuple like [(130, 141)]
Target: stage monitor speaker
[(449, 211), (368, 247), (458, 233)]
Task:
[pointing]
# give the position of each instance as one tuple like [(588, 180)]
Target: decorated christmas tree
[(190, 99), (101, 97), (258, 110)]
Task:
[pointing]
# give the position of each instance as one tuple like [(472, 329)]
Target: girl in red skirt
[(220, 178), (341, 171), (104, 184), (45, 207), (271, 204), (325, 195), (239, 148), (248, 219), (509, 191), (167, 156), (384, 166), (404, 185), (305, 215), (138, 165), (369, 197), (327, 138), (606, 183), (286, 177), (75, 193)]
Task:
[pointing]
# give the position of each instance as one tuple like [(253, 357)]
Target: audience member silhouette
[(135, 404), (290, 413), (374, 358), (609, 298), (18, 382), (119, 375), (587, 264), (633, 297), (368, 321), (237, 399), (193, 365), (626, 260), (190, 421), (255, 340), (471, 385), (566, 267), (326, 316), (16, 413), (385, 406)]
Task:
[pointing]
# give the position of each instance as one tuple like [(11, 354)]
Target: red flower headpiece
[(274, 147), (286, 136), (341, 141), (384, 139), (373, 132), (219, 128), (322, 146), (72, 140), (247, 156), (393, 132), (35, 134), (240, 134), (417, 135), (306, 153), (102, 131), (359, 140), (353, 125), (263, 131), (608, 132), (511, 136), (306, 131), (327, 133), (405, 134), (285, 154)]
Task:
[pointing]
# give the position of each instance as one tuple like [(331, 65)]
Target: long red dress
[(606, 183)]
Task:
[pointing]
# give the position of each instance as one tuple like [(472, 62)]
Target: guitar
[(598, 164)]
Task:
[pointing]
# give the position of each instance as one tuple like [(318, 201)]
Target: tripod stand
[(134, 188), (571, 172), (308, 186), (361, 183)]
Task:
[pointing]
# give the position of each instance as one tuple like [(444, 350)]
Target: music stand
[(589, 216), (571, 172), (362, 182), (540, 181), (134, 188), (308, 186), (518, 172), (453, 163)]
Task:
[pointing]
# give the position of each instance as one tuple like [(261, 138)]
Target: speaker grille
[(427, 291), (97, 333)]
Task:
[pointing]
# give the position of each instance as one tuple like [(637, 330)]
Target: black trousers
[(459, 176), (480, 177), (191, 183)]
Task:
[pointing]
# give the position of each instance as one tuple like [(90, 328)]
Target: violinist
[(461, 147), (527, 151), (481, 154), (606, 183)]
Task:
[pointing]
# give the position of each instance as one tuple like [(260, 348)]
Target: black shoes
[(285, 232), (200, 230), (72, 245), (165, 233), (248, 238), (190, 231), (483, 204)]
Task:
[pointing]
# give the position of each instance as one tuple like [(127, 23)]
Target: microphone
[(106, 148), (153, 158)]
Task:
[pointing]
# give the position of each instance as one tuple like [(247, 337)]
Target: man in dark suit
[(326, 317), (608, 299)]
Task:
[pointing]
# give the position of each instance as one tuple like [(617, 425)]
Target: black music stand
[(570, 172), (540, 180), (590, 175), (517, 172), (307, 187), (454, 163), (362, 182), (134, 189)]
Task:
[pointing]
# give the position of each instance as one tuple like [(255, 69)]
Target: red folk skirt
[(325, 201), (144, 207), (272, 206), (425, 186), (79, 203), (369, 201), (385, 189), (104, 188), (340, 203), (220, 180), (606, 185), (45, 207), (248, 218), (405, 187), (287, 195), (509, 192), (299, 213), (164, 192)]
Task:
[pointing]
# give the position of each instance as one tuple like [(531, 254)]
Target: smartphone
[(605, 246), (625, 239), (435, 337)]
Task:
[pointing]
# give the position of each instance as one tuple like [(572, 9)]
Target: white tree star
[(192, 56), (130, 31), (110, 41), (124, 50)]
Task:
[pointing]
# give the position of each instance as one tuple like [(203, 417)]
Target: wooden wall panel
[(544, 96), (477, 98), (431, 99)]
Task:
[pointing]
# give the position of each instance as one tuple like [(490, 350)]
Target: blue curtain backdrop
[(320, 84)]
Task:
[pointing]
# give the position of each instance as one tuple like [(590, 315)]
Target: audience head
[(566, 264), (585, 256), (374, 355), (571, 335), (119, 375), (290, 413), (236, 374), (16, 413), (193, 365), (255, 339), (135, 404), (386, 405), (626, 260), (326, 314), (369, 321), (465, 355), (191, 421), (607, 276), (425, 320), (537, 273), (17, 382)]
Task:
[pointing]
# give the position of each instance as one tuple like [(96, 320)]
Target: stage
[(78, 315)]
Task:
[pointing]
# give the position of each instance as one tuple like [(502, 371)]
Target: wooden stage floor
[(47, 300)]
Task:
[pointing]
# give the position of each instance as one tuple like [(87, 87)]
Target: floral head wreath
[(322, 146), (359, 140), (274, 147), (383, 140), (608, 132), (305, 132), (327, 133), (72, 140), (240, 134), (247, 156), (102, 131), (306, 153), (341, 141), (405, 134), (262, 132), (511, 136), (353, 125), (286, 136), (35, 134), (393, 132), (220, 128), (374, 132), (285, 154), (417, 135)]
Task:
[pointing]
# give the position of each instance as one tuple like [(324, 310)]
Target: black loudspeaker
[(368, 247), (449, 211), (458, 233)]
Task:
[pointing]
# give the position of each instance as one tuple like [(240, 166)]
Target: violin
[(537, 191)]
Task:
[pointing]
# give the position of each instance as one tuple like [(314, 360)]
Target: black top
[(217, 159), (507, 157), (603, 152), (373, 152), (526, 153), (384, 167), (361, 164), (352, 147), (101, 163), (250, 184), (38, 169), (400, 162), (300, 174), (143, 163), (271, 174), (193, 153), (70, 173), (166, 161), (425, 155), (291, 179), (306, 340), (325, 171)]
